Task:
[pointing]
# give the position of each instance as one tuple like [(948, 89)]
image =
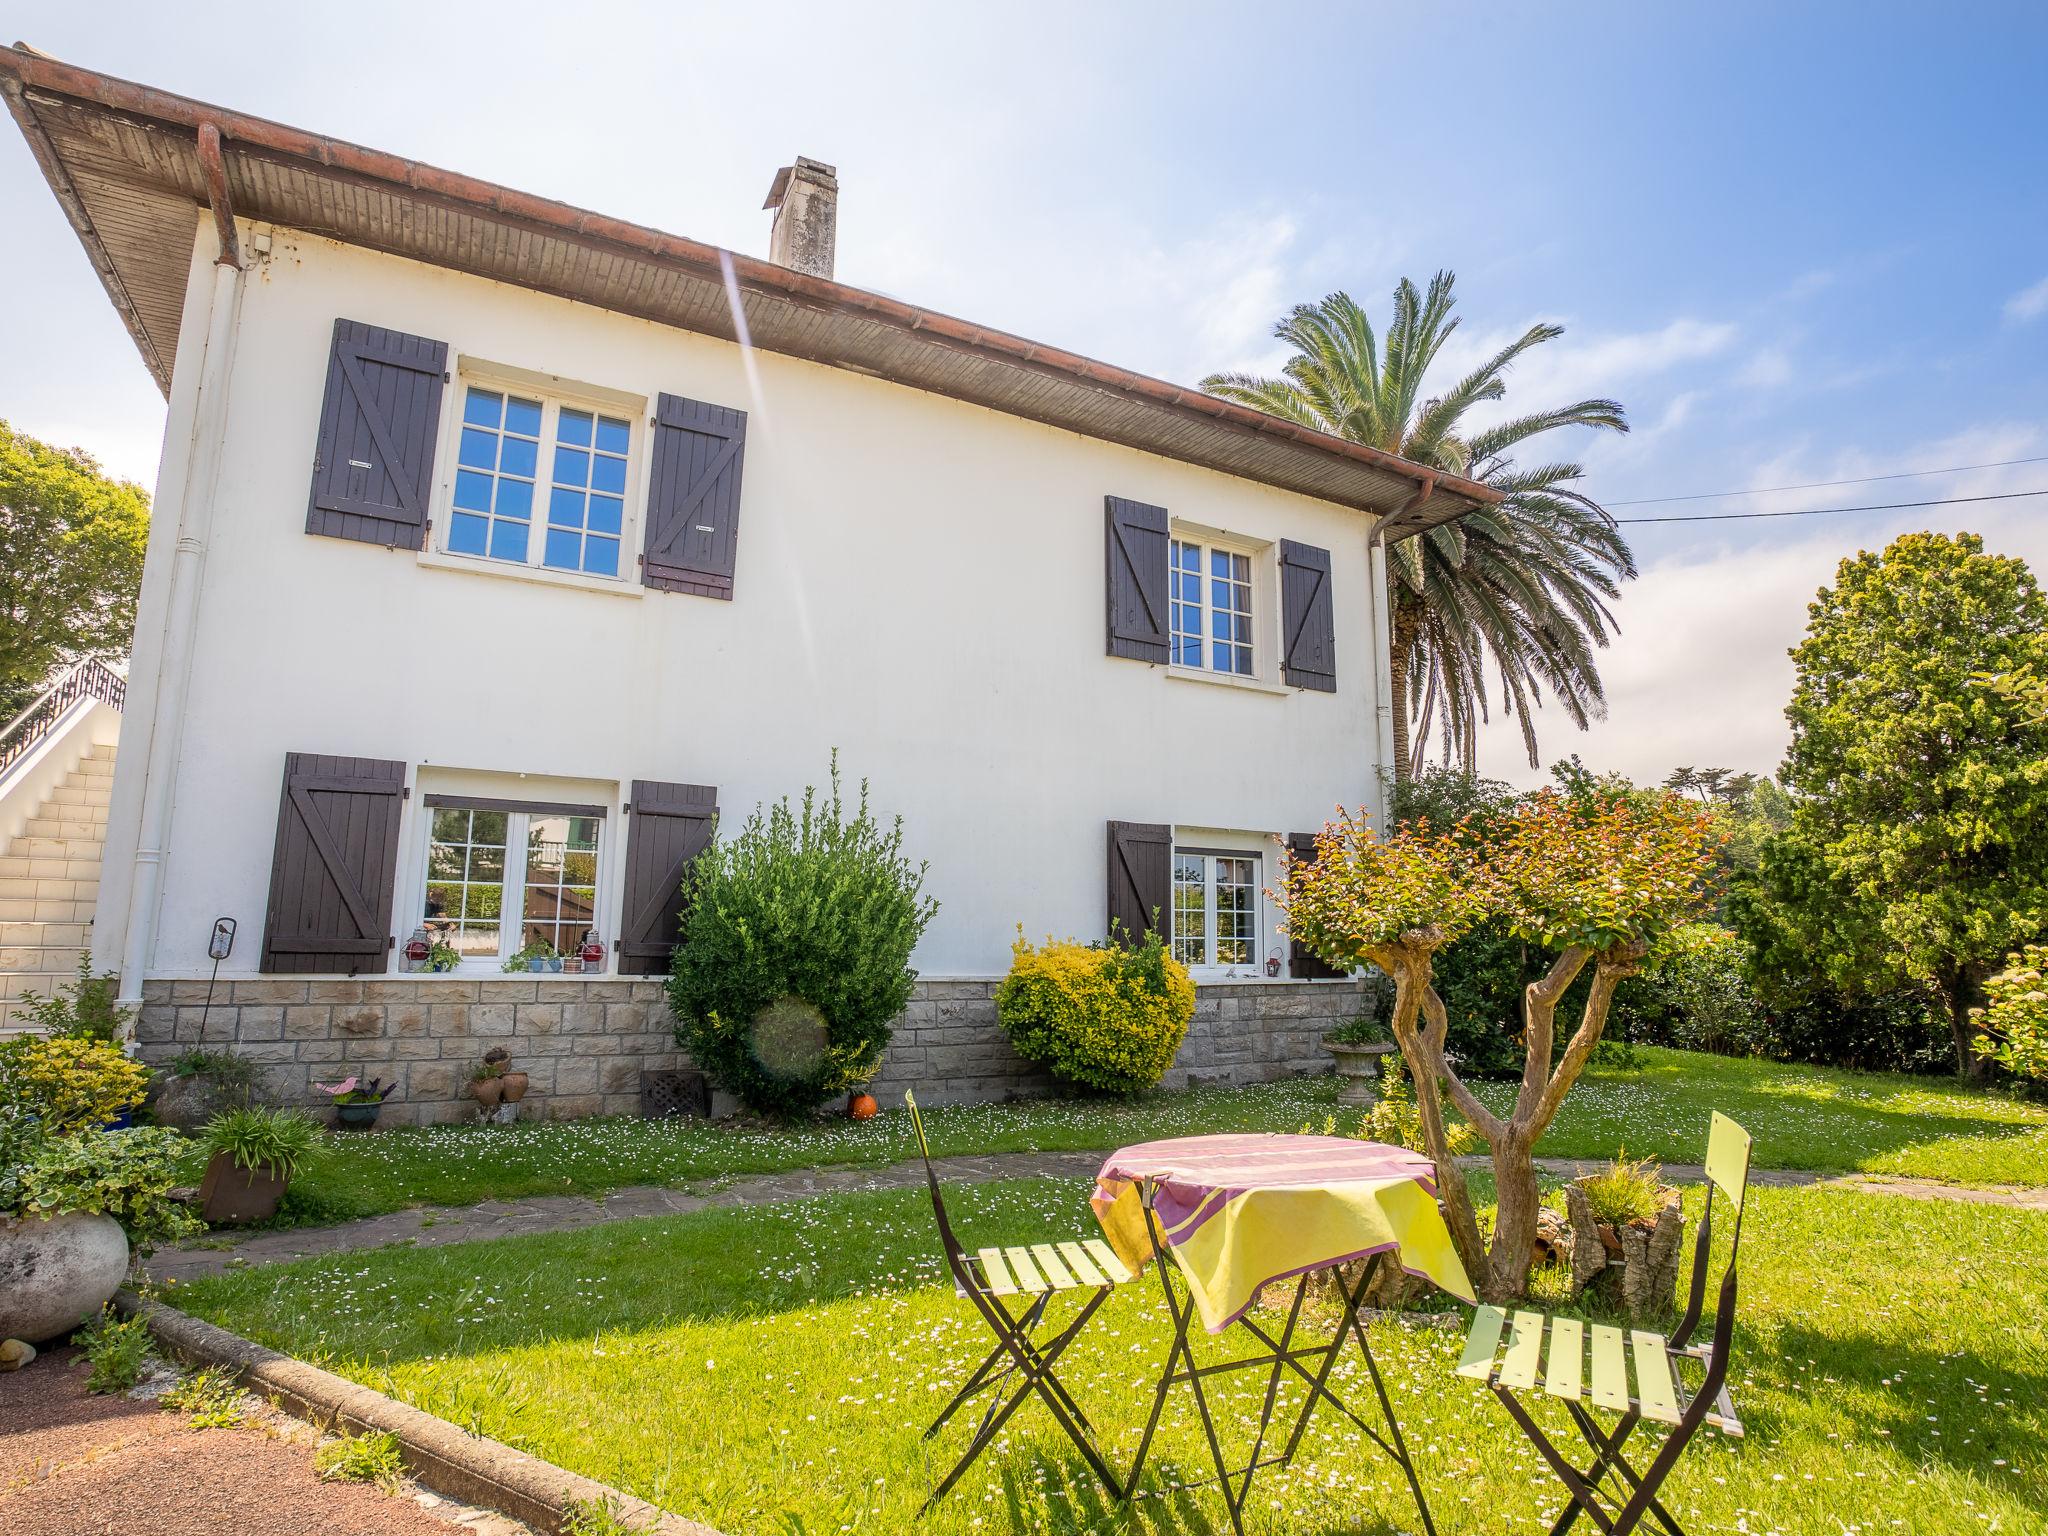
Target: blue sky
[(1798, 242)]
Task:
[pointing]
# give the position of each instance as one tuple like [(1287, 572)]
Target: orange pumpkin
[(862, 1106)]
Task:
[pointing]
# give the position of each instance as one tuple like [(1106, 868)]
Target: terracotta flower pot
[(515, 1086), (233, 1196), (487, 1090)]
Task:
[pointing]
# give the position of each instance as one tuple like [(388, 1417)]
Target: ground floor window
[(504, 877), (1215, 907)]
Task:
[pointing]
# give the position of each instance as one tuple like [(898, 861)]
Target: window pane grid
[(496, 460), (500, 879), (1216, 909), (1210, 592), (586, 499), (1190, 909), (466, 880), (561, 880), (504, 440)]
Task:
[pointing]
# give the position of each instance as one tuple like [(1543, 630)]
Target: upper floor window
[(1211, 590), (1215, 908), (526, 458)]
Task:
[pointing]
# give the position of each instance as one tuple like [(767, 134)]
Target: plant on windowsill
[(537, 957), (443, 957), (356, 1101)]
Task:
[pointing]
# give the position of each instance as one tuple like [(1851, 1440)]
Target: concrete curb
[(437, 1455)]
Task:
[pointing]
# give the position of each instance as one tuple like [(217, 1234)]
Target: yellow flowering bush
[(1109, 1017), (69, 1083)]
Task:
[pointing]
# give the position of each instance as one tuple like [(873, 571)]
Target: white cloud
[(2028, 303), (1699, 673)]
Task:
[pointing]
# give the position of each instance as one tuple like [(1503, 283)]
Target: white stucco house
[(499, 546)]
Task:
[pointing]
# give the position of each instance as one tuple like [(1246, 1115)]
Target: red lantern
[(592, 951), (1273, 963), (417, 949)]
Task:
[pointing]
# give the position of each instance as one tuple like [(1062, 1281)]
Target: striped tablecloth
[(1241, 1211)]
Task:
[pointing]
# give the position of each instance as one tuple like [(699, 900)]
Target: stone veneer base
[(584, 1043)]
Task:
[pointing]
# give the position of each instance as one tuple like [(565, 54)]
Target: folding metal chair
[(1661, 1394), (995, 1279)]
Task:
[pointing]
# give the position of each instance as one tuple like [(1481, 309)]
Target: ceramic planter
[(233, 1196), (359, 1116), (514, 1086), (487, 1091), (57, 1270), (1359, 1066)]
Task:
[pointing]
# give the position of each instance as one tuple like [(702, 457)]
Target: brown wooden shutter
[(668, 825), (336, 857), (1308, 629), (693, 497), (1137, 540), (1140, 876), (373, 470), (1301, 963)]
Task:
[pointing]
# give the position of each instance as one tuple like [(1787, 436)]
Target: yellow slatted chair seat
[(1637, 1369), (1031, 1269)]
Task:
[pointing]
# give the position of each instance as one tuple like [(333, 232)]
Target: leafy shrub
[(280, 1140), (212, 1397), (795, 956), (234, 1074), (116, 1346), (366, 1458), (1106, 1016), (1394, 1120), (1627, 1192), (2015, 1021), (69, 1082), (1362, 1028), (1698, 999), (82, 1011), (127, 1175)]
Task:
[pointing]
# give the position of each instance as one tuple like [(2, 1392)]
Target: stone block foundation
[(584, 1043)]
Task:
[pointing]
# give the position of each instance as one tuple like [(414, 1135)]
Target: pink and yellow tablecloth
[(1239, 1212)]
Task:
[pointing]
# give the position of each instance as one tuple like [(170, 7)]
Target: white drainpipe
[(181, 617)]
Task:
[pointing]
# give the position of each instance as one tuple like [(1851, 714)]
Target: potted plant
[(511, 1083), (1358, 1044), (357, 1102), (531, 957), (72, 1207), (487, 1082), (253, 1155), (443, 956), (197, 1084), (1626, 1225)]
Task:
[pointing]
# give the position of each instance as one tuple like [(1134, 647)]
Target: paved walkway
[(431, 1227)]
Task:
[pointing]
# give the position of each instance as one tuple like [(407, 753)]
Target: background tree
[(71, 542), (1601, 882), (1918, 843), (2014, 1023), (1520, 589)]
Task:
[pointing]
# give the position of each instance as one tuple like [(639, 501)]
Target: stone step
[(15, 933), (40, 909), (43, 983), (39, 959), (79, 794), (68, 828), (48, 888)]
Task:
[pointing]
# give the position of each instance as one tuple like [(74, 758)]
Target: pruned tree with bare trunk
[(1602, 880)]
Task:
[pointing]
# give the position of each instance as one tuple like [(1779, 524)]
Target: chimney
[(805, 198)]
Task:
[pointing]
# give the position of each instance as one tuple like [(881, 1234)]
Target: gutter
[(192, 505), (260, 136)]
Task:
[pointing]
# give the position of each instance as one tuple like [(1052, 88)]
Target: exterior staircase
[(50, 885)]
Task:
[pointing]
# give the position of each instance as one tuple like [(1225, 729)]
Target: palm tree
[(1519, 589)]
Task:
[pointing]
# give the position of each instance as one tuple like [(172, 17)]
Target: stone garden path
[(432, 1227)]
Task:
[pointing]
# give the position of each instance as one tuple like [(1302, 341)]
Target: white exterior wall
[(919, 584)]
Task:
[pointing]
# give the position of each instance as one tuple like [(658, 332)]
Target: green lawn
[(1802, 1117), (768, 1369)]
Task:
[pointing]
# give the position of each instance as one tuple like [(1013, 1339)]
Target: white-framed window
[(541, 479), (1216, 908), (1210, 586), (498, 877)]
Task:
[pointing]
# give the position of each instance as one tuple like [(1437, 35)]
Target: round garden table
[(1234, 1214)]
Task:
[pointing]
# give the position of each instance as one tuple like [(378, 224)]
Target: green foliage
[(2015, 1020), (373, 1457), (805, 903), (213, 1398), (1626, 1192), (1362, 1028), (443, 956), (1109, 1017), (116, 1346), (596, 1517), (1918, 844), (1394, 1119), (128, 1175), (279, 1140), (1517, 591), (1697, 999), (84, 1010), (69, 1082), (236, 1074), (71, 544)]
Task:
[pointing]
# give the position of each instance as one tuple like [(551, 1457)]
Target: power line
[(1882, 506), (1824, 485)]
